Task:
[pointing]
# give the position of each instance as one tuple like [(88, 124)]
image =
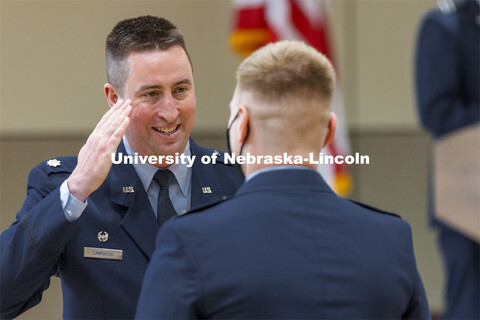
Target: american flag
[(258, 22)]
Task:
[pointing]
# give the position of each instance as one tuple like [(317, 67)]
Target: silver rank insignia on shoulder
[(206, 190), (102, 236), (53, 163), (128, 190)]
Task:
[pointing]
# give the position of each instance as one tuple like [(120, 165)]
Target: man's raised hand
[(94, 159)]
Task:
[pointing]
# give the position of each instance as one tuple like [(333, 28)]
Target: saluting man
[(94, 224)]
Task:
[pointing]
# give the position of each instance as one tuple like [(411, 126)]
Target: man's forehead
[(159, 68), (176, 50)]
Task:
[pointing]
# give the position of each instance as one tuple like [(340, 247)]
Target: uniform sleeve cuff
[(72, 207)]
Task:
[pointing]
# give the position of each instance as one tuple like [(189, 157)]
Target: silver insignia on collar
[(206, 190), (53, 163), (128, 189)]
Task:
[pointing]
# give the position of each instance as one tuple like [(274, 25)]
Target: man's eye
[(151, 94), (181, 90)]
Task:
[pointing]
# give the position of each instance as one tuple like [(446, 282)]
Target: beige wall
[(53, 64), (52, 74), (53, 67)]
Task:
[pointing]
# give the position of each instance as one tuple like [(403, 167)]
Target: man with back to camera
[(94, 224), (286, 246)]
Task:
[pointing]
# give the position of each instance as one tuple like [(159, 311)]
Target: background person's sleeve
[(437, 80)]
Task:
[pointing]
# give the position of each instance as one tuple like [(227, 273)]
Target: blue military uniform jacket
[(42, 243), (285, 247), (447, 69), (447, 73)]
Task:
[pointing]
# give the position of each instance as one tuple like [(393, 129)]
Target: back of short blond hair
[(287, 69)]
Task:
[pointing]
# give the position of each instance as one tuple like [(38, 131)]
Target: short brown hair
[(286, 69), (139, 34)]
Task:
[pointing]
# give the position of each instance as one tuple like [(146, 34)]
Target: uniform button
[(69, 212)]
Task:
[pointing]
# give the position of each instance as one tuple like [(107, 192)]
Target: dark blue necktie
[(165, 209)]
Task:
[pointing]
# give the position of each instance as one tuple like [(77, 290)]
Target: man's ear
[(111, 94), (332, 126), (244, 119)]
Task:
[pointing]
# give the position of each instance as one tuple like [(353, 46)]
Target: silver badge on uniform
[(206, 190), (128, 190), (102, 253), (102, 236)]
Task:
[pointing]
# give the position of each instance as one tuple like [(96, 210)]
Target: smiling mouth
[(167, 131)]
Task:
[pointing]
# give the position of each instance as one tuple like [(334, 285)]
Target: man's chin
[(172, 148)]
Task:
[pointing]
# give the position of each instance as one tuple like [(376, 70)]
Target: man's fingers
[(119, 132), (107, 114), (117, 107), (115, 112), (116, 120), (99, 139), (94, 157)]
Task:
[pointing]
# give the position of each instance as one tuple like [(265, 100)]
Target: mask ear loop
[(246, 137), (229, 149), (236, 165), (228, 134)]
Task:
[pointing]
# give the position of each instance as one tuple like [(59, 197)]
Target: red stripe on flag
[(251, 30), (316, 37), (251, 18)]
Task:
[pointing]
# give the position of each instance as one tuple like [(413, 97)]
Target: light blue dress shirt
[(179, 190)]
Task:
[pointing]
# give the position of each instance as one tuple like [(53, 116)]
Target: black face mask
[(236, 165)]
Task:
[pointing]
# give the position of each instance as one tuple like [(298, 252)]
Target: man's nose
[(168, 109)]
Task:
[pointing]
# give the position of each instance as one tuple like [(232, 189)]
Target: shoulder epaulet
[(208, 205), (220, 156), (366, 206), (59, 165)]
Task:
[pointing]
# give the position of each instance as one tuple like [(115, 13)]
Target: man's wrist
[(72, 206), (72, 185)]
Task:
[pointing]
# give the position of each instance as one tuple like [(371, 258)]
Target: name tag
[(100, 253)]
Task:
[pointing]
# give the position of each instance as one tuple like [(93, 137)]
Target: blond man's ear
[(332, 126), (243, 115)]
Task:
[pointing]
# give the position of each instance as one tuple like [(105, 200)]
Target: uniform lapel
[(206, 187), (139, 220)]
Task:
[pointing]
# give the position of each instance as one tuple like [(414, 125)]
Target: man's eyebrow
[(184, 81), (151, 86)]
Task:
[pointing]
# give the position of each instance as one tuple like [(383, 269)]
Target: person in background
[(447, 73), (94, 224), (286, 246)]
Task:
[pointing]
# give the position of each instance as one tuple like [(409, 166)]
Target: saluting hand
[(94, 159)]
